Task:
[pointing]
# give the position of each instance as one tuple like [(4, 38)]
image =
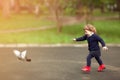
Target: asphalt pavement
[(57, 63)]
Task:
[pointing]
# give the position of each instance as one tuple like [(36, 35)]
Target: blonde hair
[(90, 28)]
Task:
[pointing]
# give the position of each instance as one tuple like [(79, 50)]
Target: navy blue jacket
[(93, 41)]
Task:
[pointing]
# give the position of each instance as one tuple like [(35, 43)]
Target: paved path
[(57, 63)]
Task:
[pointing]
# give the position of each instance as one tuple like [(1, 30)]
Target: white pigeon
[(21, 55)]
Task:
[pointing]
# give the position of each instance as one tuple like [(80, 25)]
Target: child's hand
[(74, 39), (105, 48)]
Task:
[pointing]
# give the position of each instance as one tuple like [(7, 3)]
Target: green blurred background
[(57, 21)]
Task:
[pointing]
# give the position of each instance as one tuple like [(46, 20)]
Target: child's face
[(87, 32)]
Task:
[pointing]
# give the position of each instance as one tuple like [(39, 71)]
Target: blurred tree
[(55, 8), (6, 8), (60, 7), (89, 8), (17, 6), (93, 4), (118, 7), (112, 5)]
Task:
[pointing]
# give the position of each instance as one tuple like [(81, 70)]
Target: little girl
[(93, 46)]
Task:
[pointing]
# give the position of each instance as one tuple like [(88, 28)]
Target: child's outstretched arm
[(80, 38)]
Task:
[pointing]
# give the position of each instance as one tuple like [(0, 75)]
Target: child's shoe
[(86, 69), (101, 68)]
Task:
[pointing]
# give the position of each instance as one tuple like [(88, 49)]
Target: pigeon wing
[(23, 54), (17, 53)]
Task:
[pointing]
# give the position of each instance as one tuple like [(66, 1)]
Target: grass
[(109, 30), (23, 21), (98, 13)]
